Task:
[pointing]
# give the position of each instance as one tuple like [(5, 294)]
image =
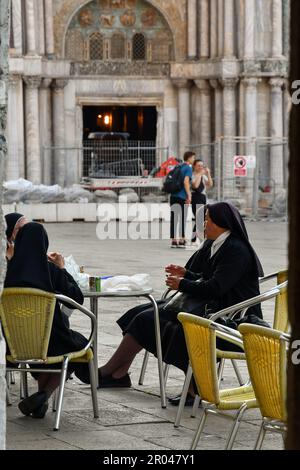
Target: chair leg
[(94, 389), (221, 370), (195, 406), (184, 392), (199, 430), (261, 437), (237, 372), (166, 372), (63, 376), (235, 427), (144, 367), (12, 378), (8, 400), (23, 384), (54, 401)]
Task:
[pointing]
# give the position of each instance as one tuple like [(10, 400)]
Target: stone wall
[(4, 32)]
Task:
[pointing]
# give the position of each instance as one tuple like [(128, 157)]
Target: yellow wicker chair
[(200, 336), (280, 318), (266, 355), (26, 315)]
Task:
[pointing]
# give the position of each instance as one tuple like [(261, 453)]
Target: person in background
[(201, 181), (180, 201)]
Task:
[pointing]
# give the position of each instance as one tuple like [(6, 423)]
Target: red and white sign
[(240, 166)]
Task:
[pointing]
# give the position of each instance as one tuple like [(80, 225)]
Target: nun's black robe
[(227, 278)]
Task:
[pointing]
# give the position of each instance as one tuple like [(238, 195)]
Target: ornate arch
[(172, 11)]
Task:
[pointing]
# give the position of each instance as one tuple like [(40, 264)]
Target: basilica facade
[(212, 69)]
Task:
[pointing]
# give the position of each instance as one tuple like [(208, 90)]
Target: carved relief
[(117, 3), (120, 68), (107, 20), (130, 3), (85, 18), (149, 17), (128, 18)]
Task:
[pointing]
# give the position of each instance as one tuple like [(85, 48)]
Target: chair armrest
[(231, 311), (85, 311)]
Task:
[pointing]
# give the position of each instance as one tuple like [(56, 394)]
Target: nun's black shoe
[(40, 412), (32, 403), (189, 401), (110, 382)]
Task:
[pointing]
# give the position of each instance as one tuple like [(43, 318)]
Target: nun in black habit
[(223, 272), (30, 267)]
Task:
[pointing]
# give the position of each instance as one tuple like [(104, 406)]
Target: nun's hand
[(57, 259), (173, 282), (175, 270)]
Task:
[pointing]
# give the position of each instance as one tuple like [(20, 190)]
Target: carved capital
[(251, 82), (277, 84), (32, 82), (46, 82), (204, 86), (181, 83), (14, 80), (59, 84), (215, 84), (229, 83)]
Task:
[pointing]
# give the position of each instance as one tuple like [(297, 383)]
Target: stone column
[(213, 28), (230, 131), (192, 29), (59, 132), (203, 29), (218, 108), (251, 106), (277, 27), (229, 28), (32, 130), (276, 118), (220, 27), (15, 164), (46, 130), (249, 29), (49, 34), (40, 14), (184, 114), (31, 31), (205, 94), (17, 26)]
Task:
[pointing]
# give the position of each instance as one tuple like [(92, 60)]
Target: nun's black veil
[(11, 220), (29, 266), (227, 216)]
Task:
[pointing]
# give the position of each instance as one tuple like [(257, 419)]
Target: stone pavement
[(132, 419)]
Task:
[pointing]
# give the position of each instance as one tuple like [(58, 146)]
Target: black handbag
[(183, 302)]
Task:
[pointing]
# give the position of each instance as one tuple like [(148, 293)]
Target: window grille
[(96, 46), (118, 46), (139, 47), (74, 45)]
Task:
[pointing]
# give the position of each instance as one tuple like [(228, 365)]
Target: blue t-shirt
[(186, 170)]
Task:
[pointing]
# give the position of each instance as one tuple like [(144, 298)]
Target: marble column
[(205, 129), (15, 165), (204, 40), (213, 28), (276, 118), (59, 132), (40, 15), (251, 106), (31, 31), (220, 27), (46, 130), (17, 26), (218, 109), (32, 129), (230, 130), (277, 28), (249, 29), (184, 114), (229, 29), (192, 29), (49, 34)]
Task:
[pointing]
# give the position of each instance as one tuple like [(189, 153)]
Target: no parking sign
[(240, 166)]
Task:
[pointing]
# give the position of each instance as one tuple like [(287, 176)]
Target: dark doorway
[(138, 121)]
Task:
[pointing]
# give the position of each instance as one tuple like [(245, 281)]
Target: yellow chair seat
[(232, 399), (78, 356)]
